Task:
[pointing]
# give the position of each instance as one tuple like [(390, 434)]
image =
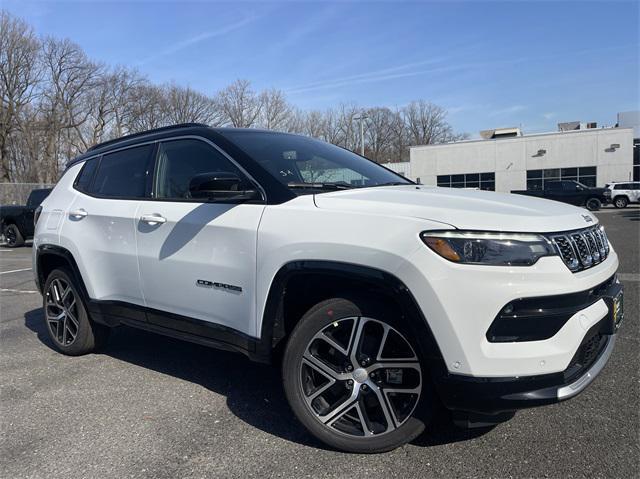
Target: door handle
[(154, 219), (78, 214)]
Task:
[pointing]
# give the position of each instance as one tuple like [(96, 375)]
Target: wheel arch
[(622, 196), (282, 312), (50, 257)]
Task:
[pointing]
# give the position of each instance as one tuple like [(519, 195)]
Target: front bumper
[(493, 396), (497, 395), (460, 303)]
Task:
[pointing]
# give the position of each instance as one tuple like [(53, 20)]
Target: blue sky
[(489, 63)]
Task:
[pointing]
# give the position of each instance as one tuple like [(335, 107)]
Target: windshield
[(302, 163)]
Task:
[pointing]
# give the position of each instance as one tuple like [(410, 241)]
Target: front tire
[(353, 377), (621, 202), (593, 204), (66, 318)]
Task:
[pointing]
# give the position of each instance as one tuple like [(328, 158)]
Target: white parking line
[(5, 290), (15, 271)]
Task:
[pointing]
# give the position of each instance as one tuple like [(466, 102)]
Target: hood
[(463, 209)]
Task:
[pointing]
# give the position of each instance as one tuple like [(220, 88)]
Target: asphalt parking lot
[(150, 406)]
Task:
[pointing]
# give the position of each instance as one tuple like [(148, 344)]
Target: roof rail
[(147, 132)]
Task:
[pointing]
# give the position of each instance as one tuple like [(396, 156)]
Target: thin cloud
[(181, 45), (508, 110), (372, 76)]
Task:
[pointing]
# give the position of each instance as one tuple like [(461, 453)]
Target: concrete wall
[(403, 168), (510, 158)]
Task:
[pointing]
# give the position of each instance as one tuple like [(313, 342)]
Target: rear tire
[(13, 236), (66, 319), (621, 202), (593, 204), (354, 378)]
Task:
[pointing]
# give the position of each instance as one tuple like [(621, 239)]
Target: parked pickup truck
[(16, 221), (572, 192)]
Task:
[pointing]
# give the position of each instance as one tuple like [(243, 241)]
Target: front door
[(197, 258)]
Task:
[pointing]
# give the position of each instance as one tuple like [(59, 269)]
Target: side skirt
[(116, 313)]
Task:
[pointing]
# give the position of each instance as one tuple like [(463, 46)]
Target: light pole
[(361, 117)]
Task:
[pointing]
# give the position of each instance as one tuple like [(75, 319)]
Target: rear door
[(99, 227), (197, 258)]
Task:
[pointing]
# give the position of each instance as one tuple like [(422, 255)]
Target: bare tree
[(427, 123), (56, 103), (379, 134), (145, 109), (275, 111), (185, 105), (239, 104), (70, 76), (19, 76)]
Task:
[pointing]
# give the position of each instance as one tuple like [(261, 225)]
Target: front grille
[(582, 249)]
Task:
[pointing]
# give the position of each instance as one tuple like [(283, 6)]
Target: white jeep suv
[(381, 299), (621, 194)]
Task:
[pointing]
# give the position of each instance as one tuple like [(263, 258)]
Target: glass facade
[(636, 160), (482, 181), (584, 174)]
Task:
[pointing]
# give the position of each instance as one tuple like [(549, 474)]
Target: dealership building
[(505, 159)]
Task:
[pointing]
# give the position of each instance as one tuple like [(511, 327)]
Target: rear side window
[(123, 174), (83, 181)]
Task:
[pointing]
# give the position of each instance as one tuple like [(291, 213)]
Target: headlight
[(497, 249)]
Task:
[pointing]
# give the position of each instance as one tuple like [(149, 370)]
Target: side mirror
[(218, 186)]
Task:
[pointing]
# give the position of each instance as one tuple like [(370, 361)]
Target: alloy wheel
[(61, 311), (360, 377), (10, 236), (593, 204)]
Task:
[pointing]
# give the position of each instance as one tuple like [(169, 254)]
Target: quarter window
[(83, 182), (180, 160), (123, 174)]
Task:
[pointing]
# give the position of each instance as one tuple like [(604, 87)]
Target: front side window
[(179, 161), (299, 162), (123, 174)]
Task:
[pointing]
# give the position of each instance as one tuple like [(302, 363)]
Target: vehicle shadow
[(253, 391)]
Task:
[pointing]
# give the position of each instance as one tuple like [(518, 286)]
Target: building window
[(636, 160), (536, 179), (483, 181)]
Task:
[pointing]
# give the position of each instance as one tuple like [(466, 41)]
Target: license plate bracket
[(615, 303)]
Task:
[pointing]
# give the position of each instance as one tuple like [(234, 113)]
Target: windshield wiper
[(393, 183), (320, 186)]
